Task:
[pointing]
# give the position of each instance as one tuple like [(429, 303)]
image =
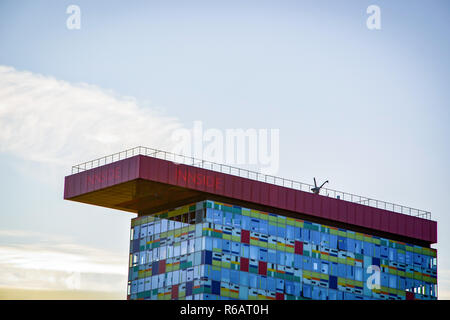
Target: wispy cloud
[(56, 122), (30, 262)]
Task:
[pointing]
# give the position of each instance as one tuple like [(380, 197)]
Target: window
[(226, 245), (297, 261), (351, 245), (358, 274), (281, 257), (253, 252), (183, 247), (217, 217), (263, 254), (252, 280), (263, 226), (307, 291), (164, 225), (342, 243), (280, 285), (289, 259), (210, 215), (235, 248), (225, 275), (290, 233), (281, 231), (234, 276), (324, 239), (324, 267), (254, 225), (271, 284), (246, 222), (237, 220), (245, 248), (333, 241), (272, 255), (217, 244), (306, 235), (315, 237), (244, 278), (228, 218), (368, 248), (272, 229), (298, 234)]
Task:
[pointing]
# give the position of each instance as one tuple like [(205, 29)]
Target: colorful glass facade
[(211, 250)]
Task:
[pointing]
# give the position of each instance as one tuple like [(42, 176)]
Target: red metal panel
[(150, 169), (228, 185), (175, 291), (273, 195), (172, 171), (202, 174), (123, 176), (67, 187), (247, 189), (368, 216), (351, 213), (104, 176), (298, 247), (326, 210), (245, 236), (265, 194), (401, 224), (282, 198), (86, 185), (384, 222), (317, 206), (299, 202), (237, 187), (244, 263), (417, 229), (191, 176), (434, 231), (393, 223), (97, 175), (132, 168), (111, 173), (339, 210), (409, 226), (162, 266), (376, 219), (279, 296), (308, 203), (77, 185), (182, 175), (253, 191), (359, 215), (426, 227), (210, 182), (262, 268), (290, 199), (256, 192), (163, 171), (219, 180)]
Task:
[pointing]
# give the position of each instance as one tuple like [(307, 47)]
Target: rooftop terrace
[(253, 175)]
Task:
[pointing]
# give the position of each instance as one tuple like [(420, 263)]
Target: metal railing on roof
[(244, 173)]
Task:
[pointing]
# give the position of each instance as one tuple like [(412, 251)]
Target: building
[(210, 231)]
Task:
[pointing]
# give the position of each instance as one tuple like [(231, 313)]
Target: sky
[(366, 109)]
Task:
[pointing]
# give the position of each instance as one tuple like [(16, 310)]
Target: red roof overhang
[(143, 184)]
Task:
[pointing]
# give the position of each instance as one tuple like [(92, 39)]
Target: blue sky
[(366, 109)]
